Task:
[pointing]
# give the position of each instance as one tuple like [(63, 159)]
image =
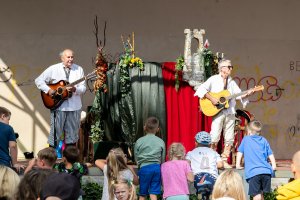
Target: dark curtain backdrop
[(126, 115), (183, 117), (152, 94)]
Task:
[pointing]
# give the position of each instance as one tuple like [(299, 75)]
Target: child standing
[(256, 150), (8, 144), (205, 163), (150, 152), (115, 167), (175, 185)]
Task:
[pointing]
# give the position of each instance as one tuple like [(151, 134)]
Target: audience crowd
[(47, 178)]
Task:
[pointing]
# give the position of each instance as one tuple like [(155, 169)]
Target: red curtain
[(184, 119)]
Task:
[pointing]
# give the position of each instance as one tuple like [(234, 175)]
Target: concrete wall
[(261, 38)]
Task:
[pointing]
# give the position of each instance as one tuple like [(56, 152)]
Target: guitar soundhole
[(59, 91), (222, 100)]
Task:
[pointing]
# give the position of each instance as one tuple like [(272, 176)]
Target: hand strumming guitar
[(51, 92), (213, 100)]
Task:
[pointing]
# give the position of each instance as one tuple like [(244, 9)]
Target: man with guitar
[(63, 99), (223, 119)]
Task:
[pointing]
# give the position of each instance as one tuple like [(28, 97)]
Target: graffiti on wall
[(294, 130), (272, 91), (5, 73)]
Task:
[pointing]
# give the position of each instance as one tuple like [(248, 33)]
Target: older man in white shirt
[(225, 119), (66, 118)]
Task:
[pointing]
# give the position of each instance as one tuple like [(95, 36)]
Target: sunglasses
[(230, 66)]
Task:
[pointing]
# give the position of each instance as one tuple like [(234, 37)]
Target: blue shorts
[(204, 183), (150, 180), (259, 184)]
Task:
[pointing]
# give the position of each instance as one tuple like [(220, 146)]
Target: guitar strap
[(67, 72), (226, 83)]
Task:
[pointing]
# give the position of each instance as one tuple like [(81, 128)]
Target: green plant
[(97, 132), (92, 191), (269, 196), (96, 113), (178, 69)]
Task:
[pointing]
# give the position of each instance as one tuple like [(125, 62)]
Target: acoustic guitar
[(224, 96), (61, 93)]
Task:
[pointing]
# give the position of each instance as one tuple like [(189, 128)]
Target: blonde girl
[(175, 185), (115, 167), (229, 185), (124, 190), (9, 181)]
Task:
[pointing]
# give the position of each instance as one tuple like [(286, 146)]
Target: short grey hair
[(222, 61), (63, 51)]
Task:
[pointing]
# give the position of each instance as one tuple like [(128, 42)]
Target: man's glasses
[(229, 67)]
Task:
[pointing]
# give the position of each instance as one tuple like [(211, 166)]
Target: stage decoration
[(128, 60), (101, 67), (96, 112), (193, 69), (196, 68), (178, 71)]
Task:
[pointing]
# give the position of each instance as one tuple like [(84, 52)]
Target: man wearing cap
[(225, 119)]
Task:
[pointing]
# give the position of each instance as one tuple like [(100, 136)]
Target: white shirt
[(54, 74), (215, 84), (204, 159)]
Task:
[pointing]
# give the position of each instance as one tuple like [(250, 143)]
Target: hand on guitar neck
[(249, 92)]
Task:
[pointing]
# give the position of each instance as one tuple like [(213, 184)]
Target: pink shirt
[(174, 177)]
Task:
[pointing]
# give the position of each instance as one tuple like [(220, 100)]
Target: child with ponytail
[(124, 190), (115, 167), (176, 173)]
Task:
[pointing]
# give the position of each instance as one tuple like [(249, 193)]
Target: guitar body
[(209, 109), (53, 102)]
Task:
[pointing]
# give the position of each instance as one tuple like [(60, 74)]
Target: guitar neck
[(236, 95), (82, 79), (76, 82)]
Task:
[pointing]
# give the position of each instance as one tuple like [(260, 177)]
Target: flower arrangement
[(128, 60)]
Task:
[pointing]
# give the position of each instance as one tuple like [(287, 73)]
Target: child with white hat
[(205, 163)]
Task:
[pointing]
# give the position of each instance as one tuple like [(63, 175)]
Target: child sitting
[(46, 158), (70, 163), (291, 190), (205, 163), (124, 189)]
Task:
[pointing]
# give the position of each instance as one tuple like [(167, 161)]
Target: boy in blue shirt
[(258, 171), (8, 144)]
